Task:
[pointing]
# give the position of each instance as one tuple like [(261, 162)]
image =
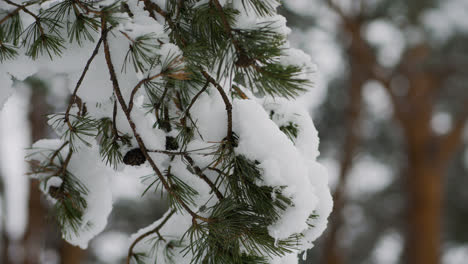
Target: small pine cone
[(244, 61), (56, 193), (171, 143), (134, 157)]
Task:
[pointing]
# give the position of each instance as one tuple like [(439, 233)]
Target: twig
[(153, 7), (51, 160), (78, 84), (9, 15), (194, 99), (227, 103), (155, 230), (23, 7), (240, 92), (226, 25), (202, 176), (86, 8), (137, 87)]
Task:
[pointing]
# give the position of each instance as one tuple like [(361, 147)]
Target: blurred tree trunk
[(5, 240), (332, 253), (425, 169), (5, 245), (34, 238), (428, 158), (425, 187), (70, 254)]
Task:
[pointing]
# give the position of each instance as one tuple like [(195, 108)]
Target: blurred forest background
[(391, 107)]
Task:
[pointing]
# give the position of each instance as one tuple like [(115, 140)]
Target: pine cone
[(171, 143), (57, 193), (134, 157), (244, 61)]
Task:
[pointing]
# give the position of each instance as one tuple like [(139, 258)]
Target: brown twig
[(23, 7), (152, 7), (78, 84), (9, 15), (227, 26), (51, 160), (240, 92), (87, 9), (155, 230), (227, 103), (137, 87), (205, 178), (194, 99)]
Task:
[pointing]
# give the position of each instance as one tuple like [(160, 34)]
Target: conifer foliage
[(197, 97)]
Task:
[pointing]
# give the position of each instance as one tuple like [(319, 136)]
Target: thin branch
[(127, 36), (194, 99), (205, 178), (51, 160), (227, 103), (78, 84), (227, 27), (114, 124), (67, 160), (23, 7), (180, 153), (137, 87), (86, 8), (240, 92), (155, 230), (9, 15)]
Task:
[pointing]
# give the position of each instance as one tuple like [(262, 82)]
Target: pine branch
[(139, 140)]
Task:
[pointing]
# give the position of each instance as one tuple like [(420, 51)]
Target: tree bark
[(426, 169), (425, 195), (70, 254), (5, 240), (34, 238)]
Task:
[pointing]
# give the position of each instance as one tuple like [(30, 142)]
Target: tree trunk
[(425, 195), (5, 240), (70, 254), (34, 239)]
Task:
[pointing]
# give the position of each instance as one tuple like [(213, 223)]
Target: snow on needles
[(86, 166)]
